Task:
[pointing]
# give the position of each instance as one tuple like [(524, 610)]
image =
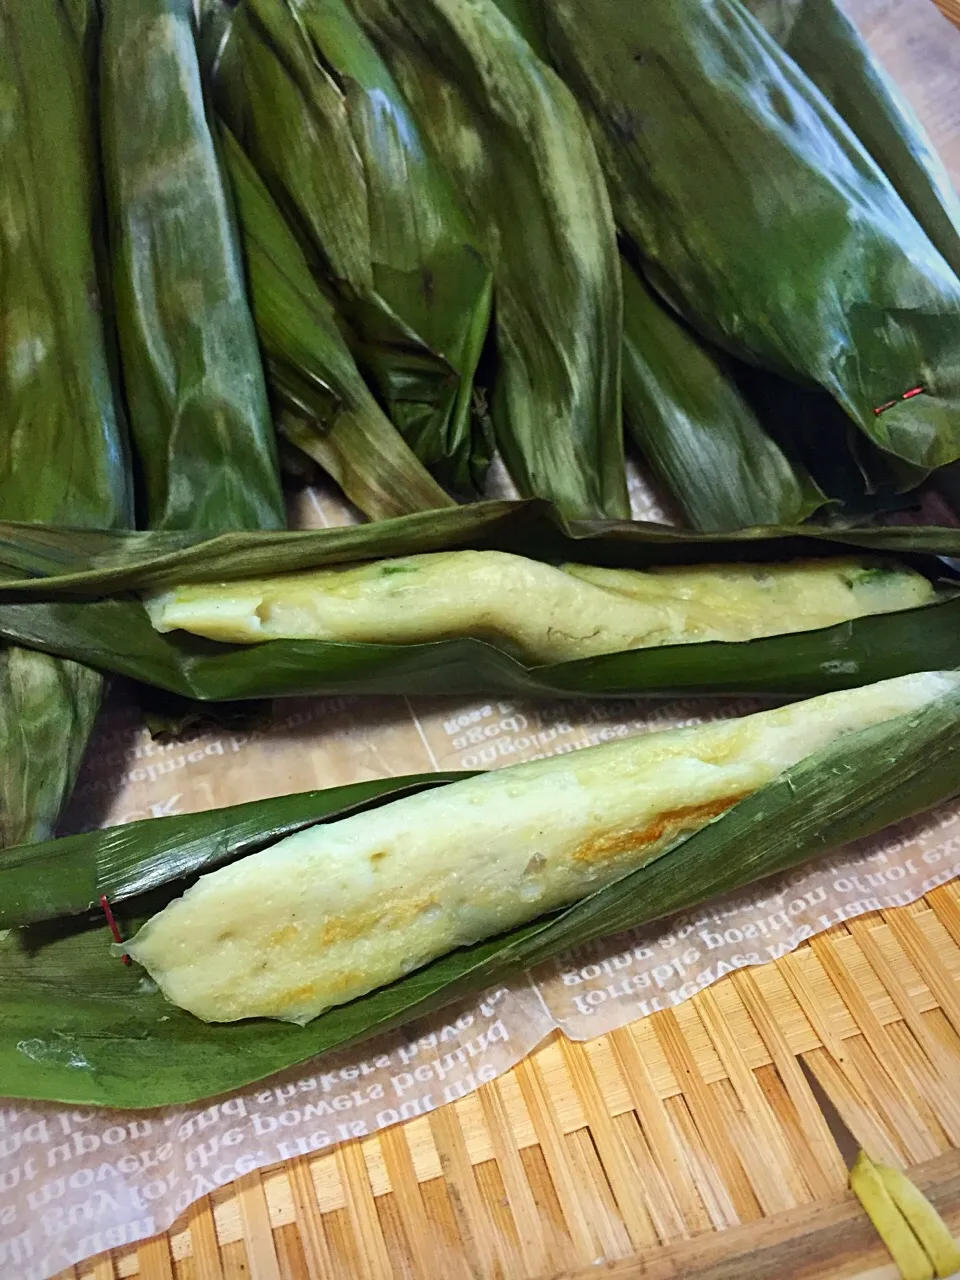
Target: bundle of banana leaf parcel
[(431, 162), (769, 183)]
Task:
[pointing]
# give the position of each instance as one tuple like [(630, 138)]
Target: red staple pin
[(105, 906), (907, 395)]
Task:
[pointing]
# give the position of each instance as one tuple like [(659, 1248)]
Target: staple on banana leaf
[(792, 248)]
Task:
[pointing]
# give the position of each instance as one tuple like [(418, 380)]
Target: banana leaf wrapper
[(700, 437), (313, 105), (326, 408), (84, 19), (62, 442), (192, 374), (792, 249), (70, 594), (827, 47), (78, 1026), (775, 451), (519, 152)]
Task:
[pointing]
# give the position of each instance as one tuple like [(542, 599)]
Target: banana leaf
[(47, 562), (48, 706), (192, 375), (46, 573), (310, 101), (826, 45), (732, 444), (84, 19), (66, 877), (762, 218), (519, 152), (698, 434), (62, 442), (326, 408), (59, 415), (78, 1026)]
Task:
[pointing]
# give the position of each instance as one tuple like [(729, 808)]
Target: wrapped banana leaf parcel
[(519, 153), (324, 406), (320, 919), (699, 435), (310, 101), (498, 596), (62, 441), (826, 45), (192, 374), (760, 215)]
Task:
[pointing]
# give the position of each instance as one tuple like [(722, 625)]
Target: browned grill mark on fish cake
[(612, 844), (347, 928), (285, 934)]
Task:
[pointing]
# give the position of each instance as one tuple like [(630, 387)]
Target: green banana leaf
[(732, 444), (62, 443), (46, 562), (310, 101), (699, 436), (519, 153), (66, 877), (762, 218), (826, 45), (59, 417), (78, 1026), (68, 594), (530, 21), (191, 367), (327, 409), (84, 19), (48, 706)]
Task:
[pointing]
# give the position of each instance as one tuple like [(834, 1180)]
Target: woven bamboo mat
[(688, 1144)]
